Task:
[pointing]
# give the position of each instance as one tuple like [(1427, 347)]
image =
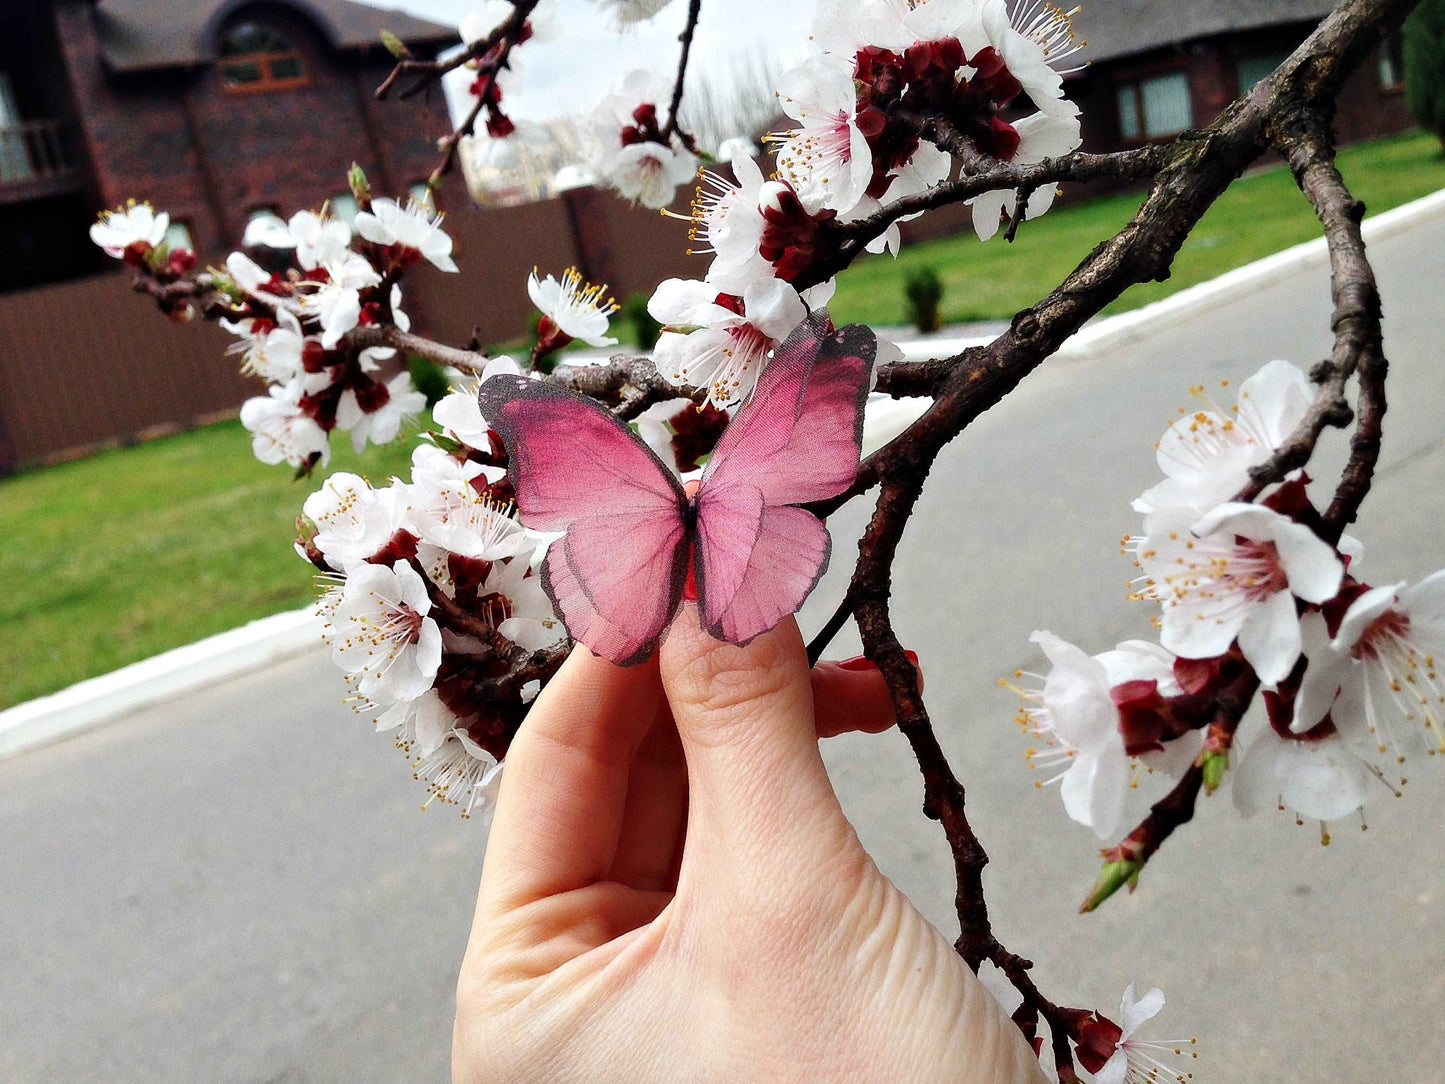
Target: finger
[(565, 785), (852, 696), (756, 783), (655, 813)]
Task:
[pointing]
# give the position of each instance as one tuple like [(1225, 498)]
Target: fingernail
[(862, 663), (689, 589)]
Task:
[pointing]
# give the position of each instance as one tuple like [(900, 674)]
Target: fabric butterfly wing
[(796, 441), (617, 577)]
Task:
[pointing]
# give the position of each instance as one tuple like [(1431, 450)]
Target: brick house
[(216, 110), (1157, 68)]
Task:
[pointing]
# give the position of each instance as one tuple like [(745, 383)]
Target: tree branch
[(672, 127)]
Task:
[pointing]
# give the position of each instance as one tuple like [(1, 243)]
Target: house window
[(343, 206), (1252, 69), (1155, 107), (15, 164), (255, 56), (178, 235), (1392, 62)]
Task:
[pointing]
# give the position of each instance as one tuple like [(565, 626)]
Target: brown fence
[(87, 363)]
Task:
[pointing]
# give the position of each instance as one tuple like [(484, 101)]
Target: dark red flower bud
[(182, 261), (499, 125)]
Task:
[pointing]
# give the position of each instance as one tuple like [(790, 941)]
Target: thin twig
[(673, 127)]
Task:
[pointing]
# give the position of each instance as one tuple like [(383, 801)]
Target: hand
[(672, 893)]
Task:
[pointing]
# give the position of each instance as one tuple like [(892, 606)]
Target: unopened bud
[(1214, 765), (359, 185), (1115, 875), (394, 45)]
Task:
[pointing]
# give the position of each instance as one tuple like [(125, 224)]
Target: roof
[(142, 34), (1118, 28)]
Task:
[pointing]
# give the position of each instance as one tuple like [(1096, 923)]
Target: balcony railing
[(35, 160)]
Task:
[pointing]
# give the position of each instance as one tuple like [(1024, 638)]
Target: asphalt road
[(240, 887)]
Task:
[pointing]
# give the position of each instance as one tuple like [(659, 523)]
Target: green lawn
[(134, 551), (138, 550), (1259, 215)]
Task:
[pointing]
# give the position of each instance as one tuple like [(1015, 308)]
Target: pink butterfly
[(632, 534)]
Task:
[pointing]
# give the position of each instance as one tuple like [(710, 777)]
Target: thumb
[(756, 782)]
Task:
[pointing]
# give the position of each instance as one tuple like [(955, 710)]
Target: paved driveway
[(239, 886)]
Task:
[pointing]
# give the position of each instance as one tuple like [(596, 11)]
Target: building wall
[(1367, 109), (209, 155)]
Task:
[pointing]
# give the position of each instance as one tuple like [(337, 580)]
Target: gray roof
[(141, 34), (1118, 28)]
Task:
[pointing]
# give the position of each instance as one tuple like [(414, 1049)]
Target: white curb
[(259, 644), (152, 681), (1113, 332)]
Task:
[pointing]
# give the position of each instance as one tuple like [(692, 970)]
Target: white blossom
[(715, 346), (456, 519), (1076, 718), (274, 351), (318, 241), (133, 224), (490, 14), (578, 309), (353, 520), (460, 415), (336, 303), (420, 725), (1137, 1061), (727, 222), (414, 226), (381, 425), (1041, 135), (1033, 41), (1234, 574), (1321, 780), (530, 621), (461, 773), (649, 172), (1379, 672), (826, 159), (281, 431), (1206, 455), (381, 635), (434, 468), (632, 11)]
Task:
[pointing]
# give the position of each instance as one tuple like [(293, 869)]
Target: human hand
[(672, 892)]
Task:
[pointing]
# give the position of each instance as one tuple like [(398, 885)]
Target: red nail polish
[(857, 664), (689, 589)]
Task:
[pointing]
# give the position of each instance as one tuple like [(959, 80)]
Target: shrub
[(924, 290), (428, 378), (643, 325)]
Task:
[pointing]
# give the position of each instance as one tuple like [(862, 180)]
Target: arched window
[(258, 56)]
